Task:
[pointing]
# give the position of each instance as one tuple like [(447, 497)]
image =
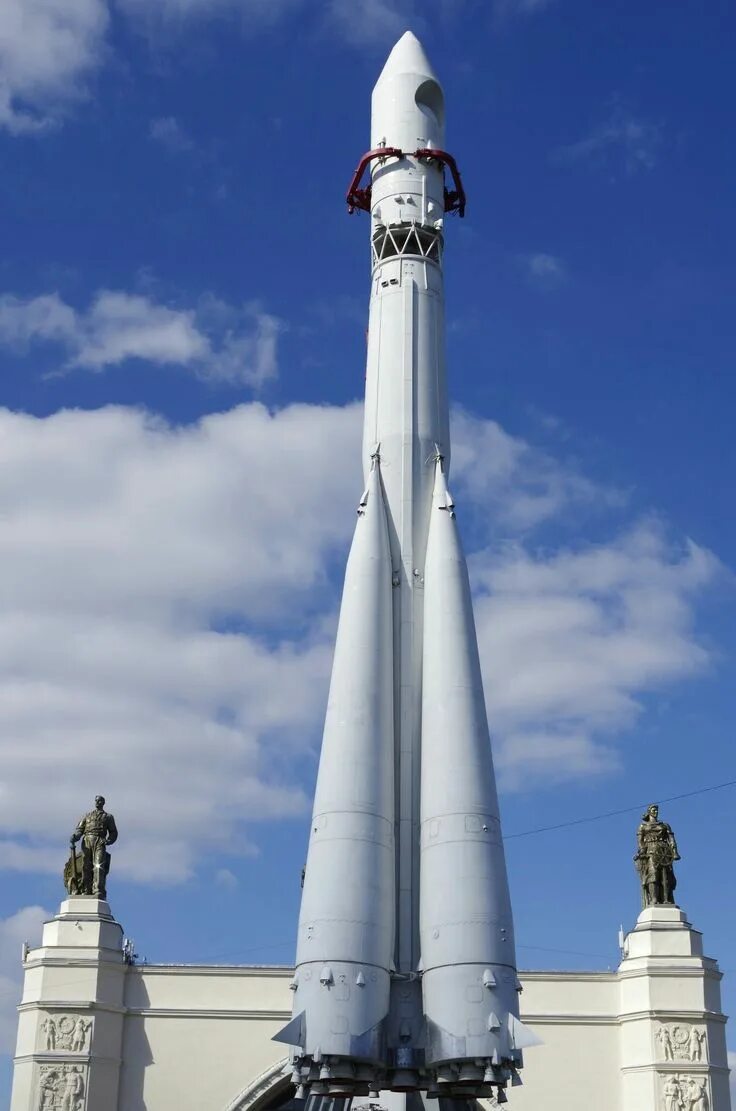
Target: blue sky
[(182, 311)]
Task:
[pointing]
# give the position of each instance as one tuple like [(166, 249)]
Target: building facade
[(98, 1033)]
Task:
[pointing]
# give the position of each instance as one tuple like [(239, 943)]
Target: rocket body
[(406, 972)]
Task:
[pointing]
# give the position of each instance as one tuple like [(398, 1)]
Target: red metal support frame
[(455, 200), (360, 196)]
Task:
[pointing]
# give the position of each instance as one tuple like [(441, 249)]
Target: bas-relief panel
[(685, 1093), (679, 1041), (65, 1033), (61, 1088)]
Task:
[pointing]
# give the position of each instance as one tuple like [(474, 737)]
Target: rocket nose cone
[(408, 104), (407, 56)]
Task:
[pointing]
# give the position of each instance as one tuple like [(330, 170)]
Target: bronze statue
[(88, 875), (657, 852)]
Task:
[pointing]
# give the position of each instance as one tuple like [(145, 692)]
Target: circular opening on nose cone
[(431, 100)]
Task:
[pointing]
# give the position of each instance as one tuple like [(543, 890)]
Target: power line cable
[(615, 813)]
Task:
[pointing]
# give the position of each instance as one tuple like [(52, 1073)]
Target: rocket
[(405, 976)]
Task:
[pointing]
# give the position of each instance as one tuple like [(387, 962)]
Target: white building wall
[(576, 1016), (198, 1038)]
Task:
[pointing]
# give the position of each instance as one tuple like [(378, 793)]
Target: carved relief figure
[(656, 853), (47, 1087), (680, 1042), (66, 1032), (49, 1027), (696, 1043), (61, 1088), (73, 1091), (79, 1040), (697, 1094), (96, 830), (665, 1040), (672, 1094)]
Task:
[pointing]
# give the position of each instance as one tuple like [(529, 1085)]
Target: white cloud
[(546, 271), (358, 22), (148, 572), (622, 141), (24, 925), (514, 484), (507, 9), (167, 131), (380, 23), (50, 48), (214, 340), (167, 614), (44, 318), (369, 21), (571, 642), (527, 759), (47, 50), (227, 879), (254, 13)]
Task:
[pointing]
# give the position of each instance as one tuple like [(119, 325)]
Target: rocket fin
[(522, 1036), (293, 1033)]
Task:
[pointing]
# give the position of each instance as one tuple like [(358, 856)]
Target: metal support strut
[(360, 196)]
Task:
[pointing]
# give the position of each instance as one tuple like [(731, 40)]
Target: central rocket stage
[(406, 972)]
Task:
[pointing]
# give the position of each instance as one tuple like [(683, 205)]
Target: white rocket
[(405, 972)]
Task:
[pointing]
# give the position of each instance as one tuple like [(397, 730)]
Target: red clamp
[(360, 196), (454, 198)]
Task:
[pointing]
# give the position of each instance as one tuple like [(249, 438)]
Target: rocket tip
[(410, 40), (408, 56)]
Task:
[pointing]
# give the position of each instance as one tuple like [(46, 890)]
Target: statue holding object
[(86, 873), (656, 854)]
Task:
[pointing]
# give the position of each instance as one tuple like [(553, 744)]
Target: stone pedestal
[(71, 1015), (673, 1046)]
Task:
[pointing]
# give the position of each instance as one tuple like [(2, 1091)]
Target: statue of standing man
[(96, 830), (656, 854)]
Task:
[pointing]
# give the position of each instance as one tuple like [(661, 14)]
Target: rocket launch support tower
[(406, 973)]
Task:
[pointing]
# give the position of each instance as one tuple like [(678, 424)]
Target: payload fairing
[(406, 972)]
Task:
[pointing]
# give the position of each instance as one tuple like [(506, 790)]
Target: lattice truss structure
[(406, 239)]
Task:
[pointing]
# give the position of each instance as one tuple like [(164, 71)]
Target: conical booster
[(469, 978), (346, 925)]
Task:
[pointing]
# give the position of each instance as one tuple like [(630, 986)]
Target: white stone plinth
[(663, 931), (70, 1023), (672, 1028)]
